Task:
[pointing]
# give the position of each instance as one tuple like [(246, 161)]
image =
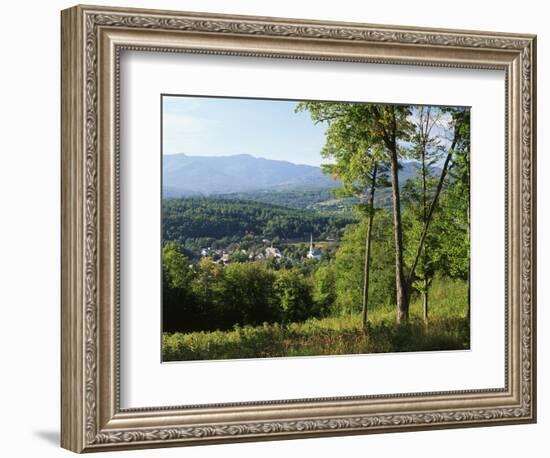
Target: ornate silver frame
[(92, 38)]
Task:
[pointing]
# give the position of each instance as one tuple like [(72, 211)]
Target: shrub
[(294, 296)]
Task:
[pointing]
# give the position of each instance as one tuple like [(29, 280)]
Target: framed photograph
[(279, 228)]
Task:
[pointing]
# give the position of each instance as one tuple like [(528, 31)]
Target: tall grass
[(447, 299), (447, 329)]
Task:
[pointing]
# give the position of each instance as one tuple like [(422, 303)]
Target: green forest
[(198, 222), (372, 265)]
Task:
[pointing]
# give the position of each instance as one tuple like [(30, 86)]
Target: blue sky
[(213, 126), (203, 126)]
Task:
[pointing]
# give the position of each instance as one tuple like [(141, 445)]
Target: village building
[(273, 253), (313, 253)]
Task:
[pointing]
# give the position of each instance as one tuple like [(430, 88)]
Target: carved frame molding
[(92, 39)]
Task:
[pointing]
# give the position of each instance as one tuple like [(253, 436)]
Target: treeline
[(209, 296), (200, 221), (300, 198)]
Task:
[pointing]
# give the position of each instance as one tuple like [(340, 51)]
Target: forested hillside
[(298, 198), (199, 222), (380, 264)]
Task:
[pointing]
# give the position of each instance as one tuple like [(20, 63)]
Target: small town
[(226, 256)]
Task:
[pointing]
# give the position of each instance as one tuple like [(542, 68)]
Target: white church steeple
[(312, 254)]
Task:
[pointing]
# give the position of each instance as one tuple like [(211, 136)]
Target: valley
[(365, 249)]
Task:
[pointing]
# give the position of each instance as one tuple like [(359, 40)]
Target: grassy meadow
[(448, 329)]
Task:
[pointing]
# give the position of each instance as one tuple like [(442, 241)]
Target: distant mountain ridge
[(186, 175)]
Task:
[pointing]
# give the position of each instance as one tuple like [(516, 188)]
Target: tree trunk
[(430, 215), (425, 300), (367, 252), (424, 219), (400, 283), (432, 208)]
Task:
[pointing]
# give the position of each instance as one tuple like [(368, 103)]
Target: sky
[(271, 129), (204, 126)]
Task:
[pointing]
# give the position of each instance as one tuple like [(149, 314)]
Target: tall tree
[(459, 192), (427, 148), (458, 151), (179, 309), (379, 135), (357, 159), (349, 266), (414, 216), (370, 135), (393, 125)]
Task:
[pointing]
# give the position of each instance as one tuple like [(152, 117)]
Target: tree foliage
[(422, 236), (198, 222)]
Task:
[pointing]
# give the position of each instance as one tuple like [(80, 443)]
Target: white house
[(273, 253)]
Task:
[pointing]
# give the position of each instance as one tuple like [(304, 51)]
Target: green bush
[(350, 267), (293, 294), (324, 288)]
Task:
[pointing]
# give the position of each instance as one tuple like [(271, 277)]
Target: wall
[(29, 242)]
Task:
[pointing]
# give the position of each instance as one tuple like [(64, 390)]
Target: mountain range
[(186, 175)]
